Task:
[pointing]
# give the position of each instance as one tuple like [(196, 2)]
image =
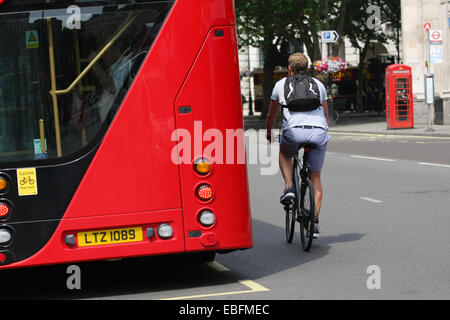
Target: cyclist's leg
[(315, 160), (288, 149), (287, 167), (318, 191), (289, 146)]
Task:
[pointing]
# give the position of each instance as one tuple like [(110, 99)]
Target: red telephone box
[(399, 97)]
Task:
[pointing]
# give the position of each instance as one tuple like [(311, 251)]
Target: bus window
[(60, 86)]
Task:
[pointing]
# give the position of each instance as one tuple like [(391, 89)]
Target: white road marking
[(395, 136), (372, 158), (371, 200), (434, 164)]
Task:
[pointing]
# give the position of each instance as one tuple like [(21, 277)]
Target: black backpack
[(301, 93)]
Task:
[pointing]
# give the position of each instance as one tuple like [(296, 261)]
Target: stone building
[(415, 13)]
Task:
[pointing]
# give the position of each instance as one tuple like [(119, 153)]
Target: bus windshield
[(65, 68)]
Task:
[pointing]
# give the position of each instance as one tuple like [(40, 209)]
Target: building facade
[(415, 14)]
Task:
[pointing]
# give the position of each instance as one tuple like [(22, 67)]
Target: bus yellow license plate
[(113, 236)]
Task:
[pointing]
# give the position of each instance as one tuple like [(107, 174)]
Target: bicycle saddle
[(307, 145)]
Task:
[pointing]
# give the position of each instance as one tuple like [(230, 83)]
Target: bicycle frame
[(304, 172)]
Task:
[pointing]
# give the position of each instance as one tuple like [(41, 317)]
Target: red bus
[(91, 93)]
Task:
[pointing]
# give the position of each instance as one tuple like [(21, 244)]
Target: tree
[(363, 29), (260, 24), (269, 23)]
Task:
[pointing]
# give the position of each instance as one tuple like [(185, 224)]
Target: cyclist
[(298, 128)]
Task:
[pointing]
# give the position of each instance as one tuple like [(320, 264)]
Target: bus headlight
[(207, 218), (165, 231)]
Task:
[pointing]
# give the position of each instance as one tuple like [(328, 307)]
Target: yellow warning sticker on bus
[(27, 182), (32, 39)]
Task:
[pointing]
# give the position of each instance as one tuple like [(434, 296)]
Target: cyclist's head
[(298, 63)]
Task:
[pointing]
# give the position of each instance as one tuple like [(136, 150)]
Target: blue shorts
[(292, 138)]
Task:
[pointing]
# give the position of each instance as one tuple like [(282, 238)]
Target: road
[(386, 208)]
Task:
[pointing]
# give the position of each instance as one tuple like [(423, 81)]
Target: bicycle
[(302, 208), (26, 180)]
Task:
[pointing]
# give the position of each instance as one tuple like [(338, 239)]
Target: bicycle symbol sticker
[(27, 182)]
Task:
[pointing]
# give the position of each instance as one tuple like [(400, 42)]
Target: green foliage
[(268, 23), (260, 19), (289, 19)]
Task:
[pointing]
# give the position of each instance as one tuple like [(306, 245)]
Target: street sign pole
[(250, 100), (429, 97), (429, 82), (327, 25), (428, 51)]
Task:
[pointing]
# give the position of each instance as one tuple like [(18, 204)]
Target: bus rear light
[(207, 218), (150, 233), (5, 236), (209, 240), (4, 210), (202, 166), (70, 240), (205, 192), (3, 184), (165, 231)]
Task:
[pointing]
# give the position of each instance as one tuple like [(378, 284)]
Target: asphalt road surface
[(385, 229)]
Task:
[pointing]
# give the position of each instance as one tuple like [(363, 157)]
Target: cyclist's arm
[(324, 99), (325, 110), (272, 117)]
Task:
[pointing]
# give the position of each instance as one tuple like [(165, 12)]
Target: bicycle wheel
[(290, 221), (307, 213), (292, 208)]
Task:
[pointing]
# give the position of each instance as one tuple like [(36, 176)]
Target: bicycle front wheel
[(307, 213)]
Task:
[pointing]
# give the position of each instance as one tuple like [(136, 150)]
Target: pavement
[(365, 123)]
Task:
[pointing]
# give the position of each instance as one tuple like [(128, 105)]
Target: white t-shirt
[(309, 118)]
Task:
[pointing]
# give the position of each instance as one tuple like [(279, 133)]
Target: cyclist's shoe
[(288, 195), (316, 233)]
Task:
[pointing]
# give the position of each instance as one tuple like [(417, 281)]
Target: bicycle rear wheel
[(290, 221), (307, 213), (292, 208)]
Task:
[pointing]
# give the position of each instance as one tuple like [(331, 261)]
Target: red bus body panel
[(132, 180), (217, 110)]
